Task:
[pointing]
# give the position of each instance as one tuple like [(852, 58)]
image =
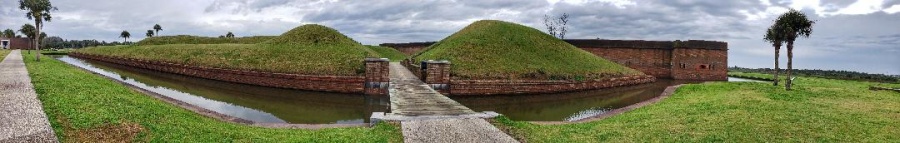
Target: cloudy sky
[(849, 35)]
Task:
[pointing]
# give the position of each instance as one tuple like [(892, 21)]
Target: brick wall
[(341, 84), (655, 62), (687, 60), (19, 43), (503, 87), (437, 75), (699, 64), (408, 48), (377, 76)]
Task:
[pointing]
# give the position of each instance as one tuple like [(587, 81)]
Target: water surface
[(278, 105), (255, 103)]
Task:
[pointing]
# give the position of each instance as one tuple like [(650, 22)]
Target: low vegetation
[(491, 49), (832, 74), (55, 52), (817, 110), (100, 110), (387, 52), (187, 39), (309, 49)]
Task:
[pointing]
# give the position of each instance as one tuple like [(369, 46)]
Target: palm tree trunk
[(777, 68), (37, 39), (790, 50)]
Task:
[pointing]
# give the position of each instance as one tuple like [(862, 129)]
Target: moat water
[(278, 105)]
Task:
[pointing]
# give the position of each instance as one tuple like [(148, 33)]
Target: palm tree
[(39, 11), (125, 35), (794, 24), (28, 30), (229, 35), (157, 28), (772, 36), (149, 33)]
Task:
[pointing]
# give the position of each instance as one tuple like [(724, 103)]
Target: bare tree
[(551, 25), (563, 20), (556, 26)]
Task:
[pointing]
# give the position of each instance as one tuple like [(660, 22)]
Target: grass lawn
[(3, 54), (309, 49), (387, 52), (818, 110), (491, 49), (84, 107)]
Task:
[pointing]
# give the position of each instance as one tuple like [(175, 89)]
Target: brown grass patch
[(123, 132)]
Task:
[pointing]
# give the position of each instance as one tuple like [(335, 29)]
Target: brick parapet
[(341, 84), (437, 75), (460, 87), (377, 76)]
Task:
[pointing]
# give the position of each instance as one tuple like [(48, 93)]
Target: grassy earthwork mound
[(309, 49), (491, 49)]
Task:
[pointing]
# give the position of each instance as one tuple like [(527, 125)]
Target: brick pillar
[(377, 76), (437, 75)]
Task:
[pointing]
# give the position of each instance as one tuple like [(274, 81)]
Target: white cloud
[(893, 9)]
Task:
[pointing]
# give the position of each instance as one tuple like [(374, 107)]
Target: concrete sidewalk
[(427, 116), (22, 117)]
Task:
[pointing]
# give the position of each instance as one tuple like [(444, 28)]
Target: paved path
[(22, 118), (427, 116)]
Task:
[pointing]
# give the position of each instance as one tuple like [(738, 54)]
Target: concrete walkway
[(21, 113), (412, 97), (427, 116)]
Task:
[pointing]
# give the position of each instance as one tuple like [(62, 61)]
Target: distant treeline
[(832, 74), (187, 39), (54, 42)]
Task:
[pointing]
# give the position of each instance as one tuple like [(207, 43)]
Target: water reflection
[(567, 106), (737, 79), (255, 103)]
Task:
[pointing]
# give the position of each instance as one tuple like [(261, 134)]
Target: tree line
[(831, 74)]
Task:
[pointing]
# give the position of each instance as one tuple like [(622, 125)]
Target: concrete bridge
[(428, 116)]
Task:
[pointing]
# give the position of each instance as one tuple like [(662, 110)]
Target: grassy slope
[(309, 49), (819, 110), (186, 39), (97, 107), (491, 49), (386, 52)]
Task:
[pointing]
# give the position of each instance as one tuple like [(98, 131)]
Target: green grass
[(818, 110), (490, 49), (387, 52), (58, 52), (3, 54), (331, 53), (84, 107), (187, 39)]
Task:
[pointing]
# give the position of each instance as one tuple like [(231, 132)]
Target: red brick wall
[(342, 84), (655, 62), (408, 48), (19, 43), (502, 87), (377, 76), (699, 64), (437, 75)]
